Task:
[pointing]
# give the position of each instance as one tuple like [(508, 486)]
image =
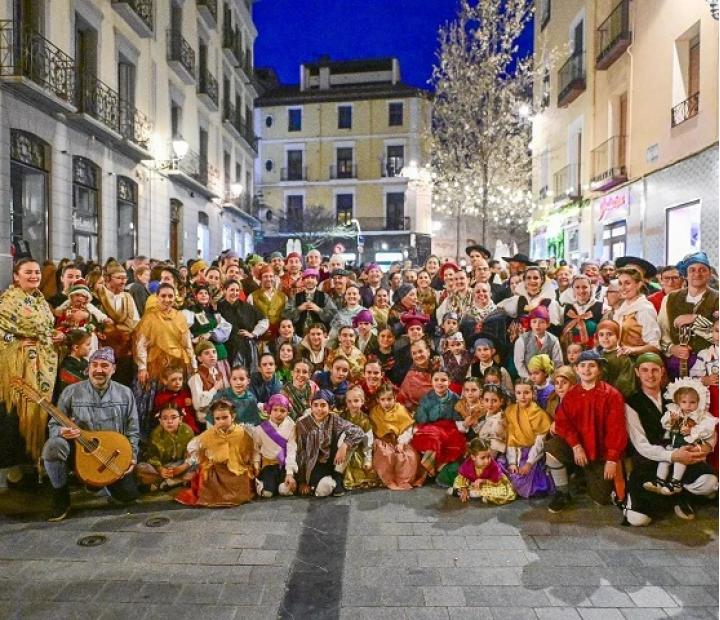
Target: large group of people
[(240, 380)]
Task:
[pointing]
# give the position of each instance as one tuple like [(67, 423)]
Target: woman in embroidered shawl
[(162, 339), (26, 351), (394, 459), (224, 455), (582, 315)]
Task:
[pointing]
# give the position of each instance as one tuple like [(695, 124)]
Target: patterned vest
[(677, 304), (531, 347)]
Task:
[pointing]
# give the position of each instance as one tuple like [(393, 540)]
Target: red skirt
[(441, 437)]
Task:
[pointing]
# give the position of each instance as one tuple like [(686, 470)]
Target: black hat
[(487, 254), (520, 258), (647, 268)]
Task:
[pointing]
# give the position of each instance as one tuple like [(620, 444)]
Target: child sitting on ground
[(480, 477), (527, 425), (163, 465), (359, 472), (207, 381), (275, 457), (73, 368), (174, 392), (619, 370), (245, 404), (323, 442), (456, 361), (396, 462), (224, 457), (687, 422), (541, 369)]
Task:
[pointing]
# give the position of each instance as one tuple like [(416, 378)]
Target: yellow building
[(332, 150), (625, 135)]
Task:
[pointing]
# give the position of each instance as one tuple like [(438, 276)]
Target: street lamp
[(180, 148)]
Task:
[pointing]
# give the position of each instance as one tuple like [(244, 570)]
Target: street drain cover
[(157, 521), (92, 541)]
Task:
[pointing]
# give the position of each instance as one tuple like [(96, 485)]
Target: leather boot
[(60, 504)]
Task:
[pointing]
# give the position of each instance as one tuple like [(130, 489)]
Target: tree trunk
[(458, 215), (484, 204)]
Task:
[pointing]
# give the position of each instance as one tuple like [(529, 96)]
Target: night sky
[(293, 31)]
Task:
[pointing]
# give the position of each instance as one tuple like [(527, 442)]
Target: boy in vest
[(536, 341)]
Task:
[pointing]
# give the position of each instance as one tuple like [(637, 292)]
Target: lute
[(684, 335), (101, 457)]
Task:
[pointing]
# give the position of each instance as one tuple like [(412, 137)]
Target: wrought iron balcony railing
[(384, 223), (179, 50), (134, 125), (293, 173), (208, 85), (24, 53), (392, 166), (608, 163), (228, 111), (613, 36), (567, 183), (232, 41), (210, 7), (571, 79), (685, 110), (142, 8), (343, 170), (98, 100)]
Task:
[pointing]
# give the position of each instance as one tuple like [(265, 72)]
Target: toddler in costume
[(480, 477), (687, 422)]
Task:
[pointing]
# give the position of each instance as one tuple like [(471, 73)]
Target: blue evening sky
[(294, 31)]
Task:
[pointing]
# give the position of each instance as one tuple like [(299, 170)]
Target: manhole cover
[(157, 521), (92, 541)]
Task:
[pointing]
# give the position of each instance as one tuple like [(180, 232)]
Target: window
[(344, 117), (394, 161), (294, 207), (614, 240), (86, 206), (226, 172), (395, 114), (344, 208), (203, 244), (175, 119), (344, 163), (294, 170), (127, 209), (395, 211), (203, 166), (545, 93), (227, 243), (694, 66), (684, 222), (126, 92), (29, 167), (295, 119)]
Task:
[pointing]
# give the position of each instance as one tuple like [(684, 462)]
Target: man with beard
[(96, 404)]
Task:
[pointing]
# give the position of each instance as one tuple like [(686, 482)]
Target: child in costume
[(480, 477), (300, 389), (284, 358), (364, 325), (572, 353), (359, 472), (705, 368), (563, 379), (207, 381), (78, 312), (494, 429), (541, 369), (527, 425), (175, 392), (456, 361), (687, 422), (347, 350), (73, 368), (535, 341), (224, 457), (448, 327), (471, 407), (619, 370), (484, 360), (394, 459), (275, 457), (245, 404), (163, 465)]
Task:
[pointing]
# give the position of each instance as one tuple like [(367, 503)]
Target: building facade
[(337, 153), (625, 133), (126, 128)]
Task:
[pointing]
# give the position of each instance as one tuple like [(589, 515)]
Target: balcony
[(194, 172), (208, 91), (293, 173), (391, 167), (36, 69), (181, 57), (232, 46), (567, 183), (247, 64), (248, 134), (571, 79), (685, 110), (343, 170), (374, 224), (290, 225), (613, 36), (208, 11), (232, 120), (98, 109), (138, 14), (135, 128), (608, 164)]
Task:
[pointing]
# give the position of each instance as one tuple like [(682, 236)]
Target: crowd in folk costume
[(495, 379)]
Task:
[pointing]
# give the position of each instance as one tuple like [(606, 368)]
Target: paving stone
[(470, 613), (118, 592), (695, 576), (693, 596), (513, 613), (444, 596), (79, 591), (589, 613), (402, 596), (557, 613), (363, 613), (606, 596), (499, 596), (510, 576), (644, 613), (200, 593), (651, 596), (258, 556), (241, 594), (568, 596), (426, 613), (414, 542)]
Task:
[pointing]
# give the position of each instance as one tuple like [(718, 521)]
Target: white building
[(126, 128)]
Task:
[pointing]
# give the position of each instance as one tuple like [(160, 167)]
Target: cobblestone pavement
[(420, 553)]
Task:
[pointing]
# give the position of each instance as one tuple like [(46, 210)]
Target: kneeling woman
[(224, 454), (437, 436)]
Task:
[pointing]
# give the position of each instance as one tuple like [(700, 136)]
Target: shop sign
[(615, 206)]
